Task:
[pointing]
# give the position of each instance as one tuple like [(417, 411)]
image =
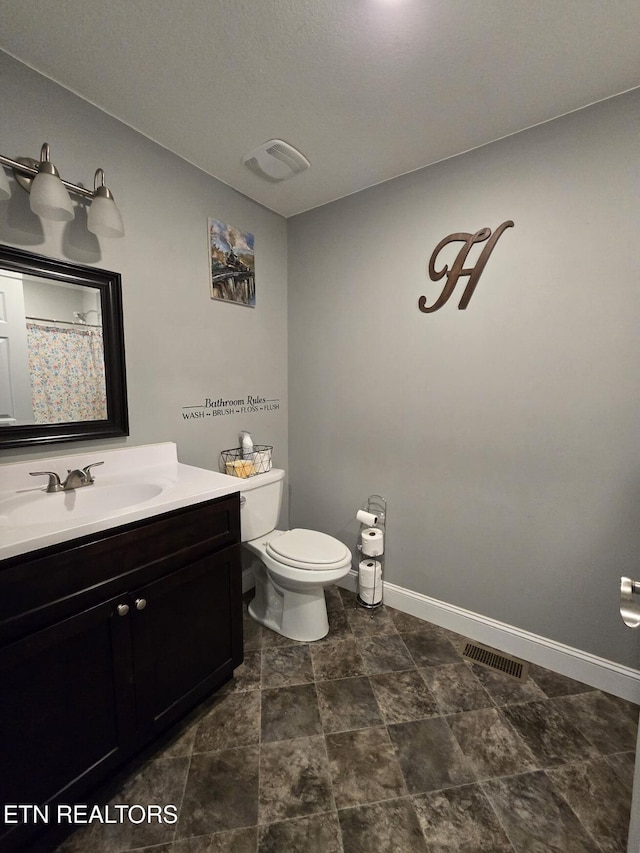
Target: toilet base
[(299, 614)]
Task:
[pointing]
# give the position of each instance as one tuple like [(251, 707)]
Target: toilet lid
[(308, 548)]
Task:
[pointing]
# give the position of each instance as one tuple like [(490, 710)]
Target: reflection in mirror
[(56, 370), (61, 351)]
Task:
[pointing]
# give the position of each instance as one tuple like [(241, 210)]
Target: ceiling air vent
[(276, 160)]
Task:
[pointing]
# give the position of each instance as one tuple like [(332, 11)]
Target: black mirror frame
[(110, 286)]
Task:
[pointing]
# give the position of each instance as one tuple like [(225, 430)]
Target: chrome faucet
[(76, 478)]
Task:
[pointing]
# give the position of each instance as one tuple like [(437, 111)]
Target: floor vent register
[(496, 660)]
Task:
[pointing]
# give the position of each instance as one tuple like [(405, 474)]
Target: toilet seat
[(308, 549)]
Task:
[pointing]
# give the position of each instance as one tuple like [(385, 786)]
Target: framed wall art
[(232, 264)]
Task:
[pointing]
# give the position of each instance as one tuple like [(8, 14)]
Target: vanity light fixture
[(104, 218), (50, 194)]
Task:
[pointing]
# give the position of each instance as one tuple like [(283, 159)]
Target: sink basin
[(40, 507), (135, 483)]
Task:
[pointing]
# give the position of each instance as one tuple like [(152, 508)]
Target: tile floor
[(380, 738)]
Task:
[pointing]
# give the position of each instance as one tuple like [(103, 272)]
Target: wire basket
[(258, 462)]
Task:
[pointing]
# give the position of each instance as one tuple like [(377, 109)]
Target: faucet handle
[(54, 484), (85, 471)]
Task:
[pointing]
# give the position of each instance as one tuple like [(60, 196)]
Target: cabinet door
[(187, 637), (67, 713)]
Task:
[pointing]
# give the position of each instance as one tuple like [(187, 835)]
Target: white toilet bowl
[(291, 570)]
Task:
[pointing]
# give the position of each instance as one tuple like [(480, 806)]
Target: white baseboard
[(596, 671)]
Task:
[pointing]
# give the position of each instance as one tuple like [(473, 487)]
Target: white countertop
[(153, 470)]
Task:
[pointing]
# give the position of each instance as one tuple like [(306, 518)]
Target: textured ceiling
[(365, 89)]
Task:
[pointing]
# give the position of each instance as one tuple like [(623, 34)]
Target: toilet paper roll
[(370, 581), (369, 572), (372, 542), (367, 518), (371, 596)]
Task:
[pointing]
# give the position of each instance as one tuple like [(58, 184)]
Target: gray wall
[(181, 346), (505, 437)]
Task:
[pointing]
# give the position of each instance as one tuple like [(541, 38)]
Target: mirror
[(62, 366)]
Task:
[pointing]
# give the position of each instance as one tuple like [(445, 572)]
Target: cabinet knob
[(123, 609), (141, 603)]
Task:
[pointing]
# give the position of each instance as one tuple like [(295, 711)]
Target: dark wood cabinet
[(66, 706), (106, 642), (183, 638)]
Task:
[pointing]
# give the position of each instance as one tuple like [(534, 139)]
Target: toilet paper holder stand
[(375, 505)]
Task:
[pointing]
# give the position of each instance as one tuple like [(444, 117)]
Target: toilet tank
[(260, 509)]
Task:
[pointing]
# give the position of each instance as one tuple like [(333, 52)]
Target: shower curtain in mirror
[(67, 373)]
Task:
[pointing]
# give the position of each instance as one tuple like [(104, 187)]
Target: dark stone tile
[(252, 633), (347, 703), (504, 689), (535, 816), (234, 720), (403, 696), (623, 764), (348, 597), (430, 648), (458, 641), (92, 838), (294, 779), (287, 665), (180, 743), (461, 820), (290, 712), (599, 798), (247, 676), (405, 623), (333, 598), (387, 827), (233, 841), (159, 782), (605, 722), (337, 660), (429, 755), (271, 639), (339, 628), (549, 734), (630, 709), (490, 744), (456, 688), (364, 767), (370, 622), (221, 792), (385, 653), (554, 684), (314, 834)]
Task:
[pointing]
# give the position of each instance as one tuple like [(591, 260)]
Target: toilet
[(291, 567)]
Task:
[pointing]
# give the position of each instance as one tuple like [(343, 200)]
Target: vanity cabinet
[(107, 640)]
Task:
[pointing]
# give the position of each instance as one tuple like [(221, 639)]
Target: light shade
[(49, 197), (5, 192), (104, 218)]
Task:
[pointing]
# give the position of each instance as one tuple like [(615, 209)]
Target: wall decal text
[(240, 406), (458, 268)]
